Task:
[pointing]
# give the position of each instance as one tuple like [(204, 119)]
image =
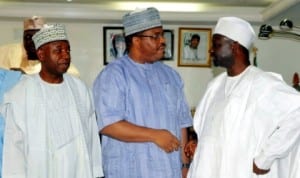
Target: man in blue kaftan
[(141, 108)]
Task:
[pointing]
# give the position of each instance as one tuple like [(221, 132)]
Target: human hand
[(190, 149), (184, 172), (166, 141), (259, 171)]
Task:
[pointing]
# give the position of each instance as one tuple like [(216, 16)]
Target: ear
[(40, 54), (135, 40), (235, 47)]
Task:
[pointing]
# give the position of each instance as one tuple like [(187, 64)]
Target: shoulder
[(167, 69), (75, 81), (12, 46), (269, 82), (117, 65), (114, 70), (217, 80), (27, 80), (20, 88), (264, 77), (164, 67)]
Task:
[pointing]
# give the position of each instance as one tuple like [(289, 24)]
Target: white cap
[(49, 33), (34, 23), (236, 29)]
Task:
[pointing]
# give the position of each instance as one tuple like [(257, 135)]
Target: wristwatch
[(186, 165)]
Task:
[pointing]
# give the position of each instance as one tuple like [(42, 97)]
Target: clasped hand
[(166, 141)]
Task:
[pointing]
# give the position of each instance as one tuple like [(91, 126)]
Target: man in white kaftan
[(51, 129), (245, 120), (13, 56), (22, 56)]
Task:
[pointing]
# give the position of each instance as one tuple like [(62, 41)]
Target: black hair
[(195, 36)]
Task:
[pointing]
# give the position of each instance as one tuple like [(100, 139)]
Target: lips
[(64, 64), (162, 48)]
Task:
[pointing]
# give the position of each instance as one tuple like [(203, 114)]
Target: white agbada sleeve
[(96, 153), (284, 138), (13, 150), (284, 102)]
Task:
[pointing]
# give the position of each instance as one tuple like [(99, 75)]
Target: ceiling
[(219, 2), (256, 11)]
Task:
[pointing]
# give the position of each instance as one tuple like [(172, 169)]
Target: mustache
[(162, 45)]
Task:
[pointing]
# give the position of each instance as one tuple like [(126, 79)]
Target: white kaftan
[(255, 116), (51, 131)]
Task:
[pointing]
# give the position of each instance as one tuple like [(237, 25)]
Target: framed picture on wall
[(194, 44), (169, 50), (114, 44)]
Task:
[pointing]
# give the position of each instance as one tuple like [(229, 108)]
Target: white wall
[(278, 55)]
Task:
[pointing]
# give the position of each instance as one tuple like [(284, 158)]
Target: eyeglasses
[(154, 37)]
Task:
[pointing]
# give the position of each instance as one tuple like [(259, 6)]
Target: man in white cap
[(248, 121), (22, 56), (141, 108), (51, 129)]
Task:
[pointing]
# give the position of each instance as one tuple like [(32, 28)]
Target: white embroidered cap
[(49, 33), (236, 29)]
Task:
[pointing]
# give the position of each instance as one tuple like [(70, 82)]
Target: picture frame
[(192, 53), (169, 40), (114, 44)]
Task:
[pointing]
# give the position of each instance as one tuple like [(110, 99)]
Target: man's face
[(55, 57), (29, 45), (194, 43), (221, 51), (151, 43)]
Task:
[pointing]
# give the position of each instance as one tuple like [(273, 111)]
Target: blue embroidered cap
[(140, 20)]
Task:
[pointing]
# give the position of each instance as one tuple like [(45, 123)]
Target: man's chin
[(216, 63)]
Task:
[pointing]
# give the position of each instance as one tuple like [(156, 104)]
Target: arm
[(277, 145), (13, 149), (184, 158), (96, 152), (279, 108), (128, 132)]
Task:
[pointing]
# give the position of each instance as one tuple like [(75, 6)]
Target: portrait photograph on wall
[(114, 44), (169, 50), (194, 44)]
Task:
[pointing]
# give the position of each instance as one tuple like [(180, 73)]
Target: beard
[(223, 59)]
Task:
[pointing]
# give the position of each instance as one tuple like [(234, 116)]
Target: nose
[(211, 51), (66, 54), (162, 38)]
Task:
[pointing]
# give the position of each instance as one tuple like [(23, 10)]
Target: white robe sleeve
[(13, 149), (283, 139), (283, 107), (96, 150), (96, 153)]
